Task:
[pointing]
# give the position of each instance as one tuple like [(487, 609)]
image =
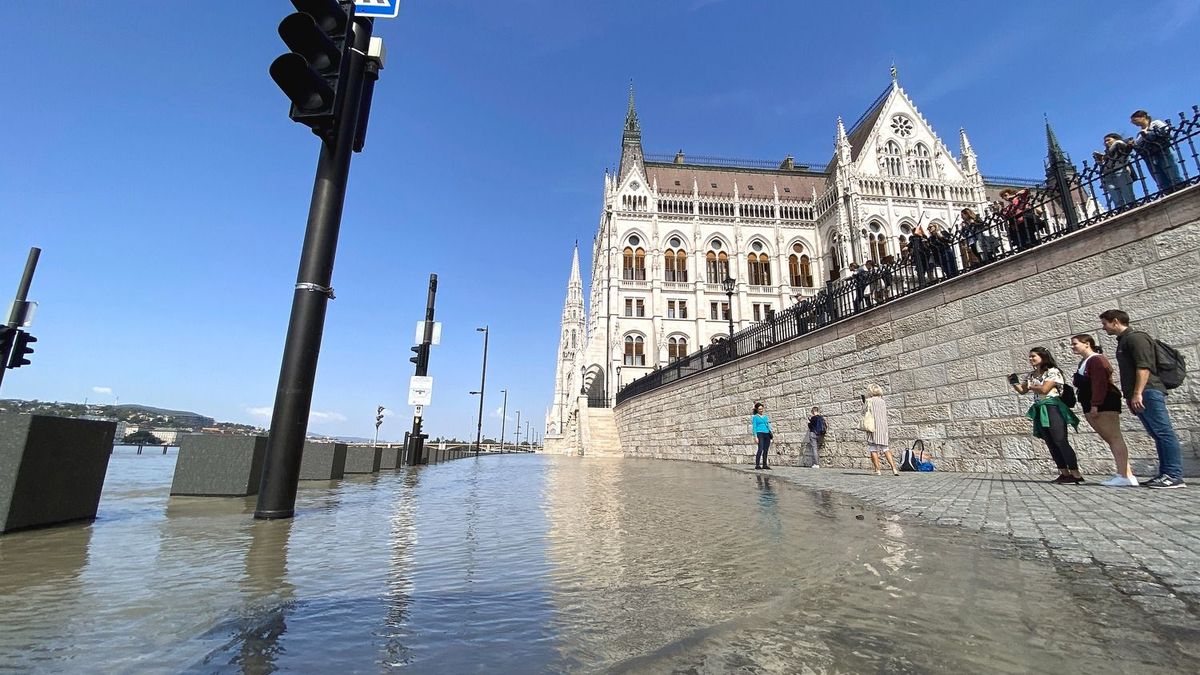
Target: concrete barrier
[(219, 466), (51, 469), (323, 461), (363, 459), (392, 458)]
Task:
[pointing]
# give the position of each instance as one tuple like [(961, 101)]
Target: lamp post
[(729, 284), (518, 439), (503, 417), (482, 380)]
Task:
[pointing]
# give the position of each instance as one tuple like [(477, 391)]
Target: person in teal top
[(762, 434)]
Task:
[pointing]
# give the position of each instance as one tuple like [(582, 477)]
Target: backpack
[(1067, 396), (914, 459), (1169, 364)]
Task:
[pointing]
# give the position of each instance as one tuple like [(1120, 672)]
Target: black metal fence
[(1129, 174)]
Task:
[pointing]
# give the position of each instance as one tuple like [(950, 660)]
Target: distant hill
[(142, 415)]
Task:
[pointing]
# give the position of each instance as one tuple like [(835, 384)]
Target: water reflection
[(548, 564)]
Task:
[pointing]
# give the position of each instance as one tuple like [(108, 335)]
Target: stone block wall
[(941, 356)]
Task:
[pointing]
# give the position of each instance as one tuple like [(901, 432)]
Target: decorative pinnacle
[(631, 119)]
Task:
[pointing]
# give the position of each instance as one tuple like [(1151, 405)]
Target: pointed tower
[(631, 143), (570, 347), (967, 158), (1058, 164), (842, 144)]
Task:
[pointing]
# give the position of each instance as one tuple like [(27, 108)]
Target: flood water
[(527, 563)]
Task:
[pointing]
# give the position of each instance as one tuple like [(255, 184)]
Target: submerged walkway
[(1146, 542)]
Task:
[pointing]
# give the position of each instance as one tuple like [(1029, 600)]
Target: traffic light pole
[(416, 449), (16, 316), (293, 396)]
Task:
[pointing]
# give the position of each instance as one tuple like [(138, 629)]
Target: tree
[(142, 437)]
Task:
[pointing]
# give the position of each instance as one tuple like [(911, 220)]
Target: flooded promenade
[(524, 564)]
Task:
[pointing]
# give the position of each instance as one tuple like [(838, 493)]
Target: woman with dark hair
[(762, 435), (1049, 414), (983, 243), (942, 245), (1022, 218), (1101, 403)]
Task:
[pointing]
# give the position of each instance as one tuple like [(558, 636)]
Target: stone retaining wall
[(942, 355)]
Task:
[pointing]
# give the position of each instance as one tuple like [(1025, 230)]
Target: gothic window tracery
[(902, 126), (800, 267), (676, 347), (633, 266), (675, 261), (759, 268), (921, 161), (716, 263), (876, 241), (635, 350), (891, 161)]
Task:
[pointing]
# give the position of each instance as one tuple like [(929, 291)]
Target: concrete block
[(219, 466), (323, 461), (391, 458), (363, 459), (51, 469)]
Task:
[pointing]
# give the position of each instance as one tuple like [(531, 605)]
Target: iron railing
[(1067, 201)]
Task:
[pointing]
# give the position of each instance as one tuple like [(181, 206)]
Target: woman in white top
[(1049, 414), (875, 410)]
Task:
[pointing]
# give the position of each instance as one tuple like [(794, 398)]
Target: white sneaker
[(816, 466), (1120, 481), (878, 474)]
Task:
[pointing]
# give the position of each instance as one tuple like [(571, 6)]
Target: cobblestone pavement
[(1145, 542)]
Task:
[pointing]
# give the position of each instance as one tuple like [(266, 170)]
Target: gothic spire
[(966, 154), (1054, 152), (632, 128), (575, 278)]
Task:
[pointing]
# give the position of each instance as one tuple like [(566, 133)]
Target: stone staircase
[(602, 439)]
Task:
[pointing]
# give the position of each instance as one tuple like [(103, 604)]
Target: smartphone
[(1013, 379), (863, 397)]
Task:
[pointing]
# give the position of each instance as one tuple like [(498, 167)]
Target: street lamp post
[(503, 417), (482, 380), (518, 439), (729, 284)]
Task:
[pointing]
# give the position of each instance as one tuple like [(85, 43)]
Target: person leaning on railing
[(1116, 171), (1020, 217), (1153, 143), (942, 245), (982, 242)]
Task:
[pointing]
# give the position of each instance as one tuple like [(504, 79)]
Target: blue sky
[(150, 155)]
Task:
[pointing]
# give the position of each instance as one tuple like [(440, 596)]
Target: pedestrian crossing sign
[(377, 9)]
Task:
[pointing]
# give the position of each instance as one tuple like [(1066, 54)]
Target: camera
[(1013, 379)]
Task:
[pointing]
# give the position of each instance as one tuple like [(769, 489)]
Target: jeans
[(1158, 424), (814, 445), (1163, 169), (764, 442), (1118, 186)]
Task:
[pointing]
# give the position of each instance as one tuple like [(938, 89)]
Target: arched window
[(676, 265), (921, 161), (635, 350), (835, 261), (891, 162), (800, 268), (760, 269), (876, 241), (676, 347), (717, 264), (633, 264)]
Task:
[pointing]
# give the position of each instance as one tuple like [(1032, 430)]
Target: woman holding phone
[(1049, 414)]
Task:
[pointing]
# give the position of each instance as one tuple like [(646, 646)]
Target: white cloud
[(319, 416), (102, 390), (264, 411), (498, 412)]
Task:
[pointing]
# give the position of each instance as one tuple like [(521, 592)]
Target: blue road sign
[(378, 9)]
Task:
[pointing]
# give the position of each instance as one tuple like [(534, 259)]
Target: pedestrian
[(816, 436), (942, 244), (862, 284), (1100, 401), (920, 252), (1153, 143), (1146, 395), (1116, 171), (984, 244), (1049, 414), (762, 435), (875, 423), (1021, 218)]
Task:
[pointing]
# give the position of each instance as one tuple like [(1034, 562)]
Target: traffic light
[(6, 340), (21, 349), (379, 417), (421, 359), (311, 74)]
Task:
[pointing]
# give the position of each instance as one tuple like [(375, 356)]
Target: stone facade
[(942, 355)]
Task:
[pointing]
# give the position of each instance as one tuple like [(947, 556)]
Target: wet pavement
[(526, 564)]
